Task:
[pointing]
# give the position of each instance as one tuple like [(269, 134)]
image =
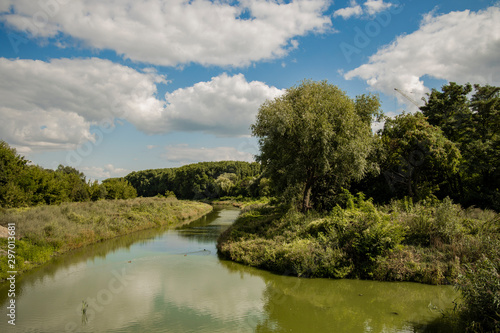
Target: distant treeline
[(23, 185), (205, 180)]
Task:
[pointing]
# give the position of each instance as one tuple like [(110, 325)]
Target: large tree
[(419, 160), (472, 121), (312, 134)]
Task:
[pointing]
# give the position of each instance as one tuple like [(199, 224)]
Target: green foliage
[(480, 289), (12, 166), (314, 138), (473, 124), (403, 241), (24, 185), (344, 243), (205, 180), (119, 188), (225, 183), (419, 159)]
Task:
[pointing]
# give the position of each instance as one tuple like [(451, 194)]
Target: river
[(171, 280)]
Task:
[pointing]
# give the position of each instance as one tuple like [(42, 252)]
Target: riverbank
[(428, 244), (239, 201), (47, 231)]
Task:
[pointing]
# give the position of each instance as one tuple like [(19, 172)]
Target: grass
[(46, 231), (241, 201)]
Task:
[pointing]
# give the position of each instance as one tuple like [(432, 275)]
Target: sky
[(111, 87)]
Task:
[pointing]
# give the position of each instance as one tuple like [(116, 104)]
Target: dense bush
[(398, 242), (342, 243), (480, 288)]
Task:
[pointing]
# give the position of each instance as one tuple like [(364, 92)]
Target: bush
[(345, 243), (480, 288)]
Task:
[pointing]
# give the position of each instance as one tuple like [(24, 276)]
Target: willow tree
[(314, 133)]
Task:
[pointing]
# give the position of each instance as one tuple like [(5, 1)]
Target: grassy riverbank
[(45, 231), (400, 242), (240, 201)]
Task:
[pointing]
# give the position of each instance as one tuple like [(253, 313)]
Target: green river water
[(171, 280)]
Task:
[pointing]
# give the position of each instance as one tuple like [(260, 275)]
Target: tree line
[(315, 142), (204, 180), (23, 184)]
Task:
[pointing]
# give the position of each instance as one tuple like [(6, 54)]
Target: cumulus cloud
[(461, 46), (353, 10), (53, 105), (184, 154), (173, 32), (224, 106), (101, 173), (370, 7), (376, 6)]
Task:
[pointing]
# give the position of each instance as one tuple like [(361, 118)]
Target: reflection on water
[(172, 281)]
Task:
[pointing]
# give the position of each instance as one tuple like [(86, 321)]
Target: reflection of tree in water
[(322, 305), (203, 231)]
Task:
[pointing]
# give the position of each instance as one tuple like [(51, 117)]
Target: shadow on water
[(205, 230)]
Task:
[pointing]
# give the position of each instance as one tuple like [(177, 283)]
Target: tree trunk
[(306, 199)]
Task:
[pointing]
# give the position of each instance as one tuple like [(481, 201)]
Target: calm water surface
[(172, 281)]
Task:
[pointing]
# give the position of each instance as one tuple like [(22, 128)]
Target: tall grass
[(45, 231)]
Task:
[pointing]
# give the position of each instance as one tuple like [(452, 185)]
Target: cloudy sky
[(111, 87)]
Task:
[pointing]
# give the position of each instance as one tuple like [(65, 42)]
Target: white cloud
[(184, 154), (52, 105), (458, 46), (371, 7), (353, 10), (376, 6), (101, 173), (225, 105), (173, 32)]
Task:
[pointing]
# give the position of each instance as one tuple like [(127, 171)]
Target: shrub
[(480, 288)]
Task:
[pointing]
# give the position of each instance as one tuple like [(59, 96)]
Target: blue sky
[(111, 87)]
